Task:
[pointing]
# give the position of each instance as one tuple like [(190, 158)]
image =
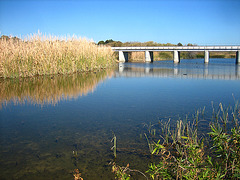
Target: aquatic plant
[(114, 148), (77, 175), (186, 155), (121, 172), (39, 54), (181, 153)]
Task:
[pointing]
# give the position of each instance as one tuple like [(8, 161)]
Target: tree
[(116, 44), (109, 41), (101, 42), (179, 44)]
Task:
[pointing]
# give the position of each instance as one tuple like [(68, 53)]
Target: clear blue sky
[(186, 21)]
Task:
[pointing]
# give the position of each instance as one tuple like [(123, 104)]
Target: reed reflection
[(50, 89)]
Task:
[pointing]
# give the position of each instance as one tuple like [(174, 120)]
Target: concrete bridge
[(123, 51)]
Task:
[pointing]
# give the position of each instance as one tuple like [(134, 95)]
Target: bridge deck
[(178, 48)]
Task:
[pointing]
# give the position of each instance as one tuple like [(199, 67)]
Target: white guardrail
[(179, 48)]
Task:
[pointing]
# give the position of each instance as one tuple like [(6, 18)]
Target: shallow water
[(50, 126)]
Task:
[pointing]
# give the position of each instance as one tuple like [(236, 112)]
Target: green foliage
[(226, 143), (166, 55), (184, 155), (109, 41), (217, 56), (189, 55), (189, 44), (101, 42), (121, 172), (200, 56), (113, 43)]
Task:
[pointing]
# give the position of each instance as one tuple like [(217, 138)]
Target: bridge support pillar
[(148, 56), (206, 57), (176, 56), (238, 57), (123, 56)]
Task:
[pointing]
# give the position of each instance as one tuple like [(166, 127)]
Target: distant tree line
[(163, 55), (113, 43)]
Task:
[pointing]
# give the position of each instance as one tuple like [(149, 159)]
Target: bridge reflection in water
[(204, 71)]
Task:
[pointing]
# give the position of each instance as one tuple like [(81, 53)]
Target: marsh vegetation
[(39, 54), (184, 153)]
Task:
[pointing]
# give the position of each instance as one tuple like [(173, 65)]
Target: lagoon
[(51, 125)]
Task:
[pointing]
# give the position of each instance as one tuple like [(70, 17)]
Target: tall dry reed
[(39, 54)]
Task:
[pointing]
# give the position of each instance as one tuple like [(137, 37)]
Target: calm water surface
[(50, 126)]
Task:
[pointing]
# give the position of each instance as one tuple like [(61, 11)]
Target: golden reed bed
[(43, 55)]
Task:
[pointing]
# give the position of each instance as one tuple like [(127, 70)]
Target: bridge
[(123, 51)]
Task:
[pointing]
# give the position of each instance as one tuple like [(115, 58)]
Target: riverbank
[(44, 55)]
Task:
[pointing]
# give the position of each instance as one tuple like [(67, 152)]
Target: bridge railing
[(161, 48)]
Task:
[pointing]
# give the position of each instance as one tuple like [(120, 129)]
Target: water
[(50, 126)]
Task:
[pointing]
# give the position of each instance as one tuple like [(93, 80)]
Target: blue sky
[(212, 22)]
